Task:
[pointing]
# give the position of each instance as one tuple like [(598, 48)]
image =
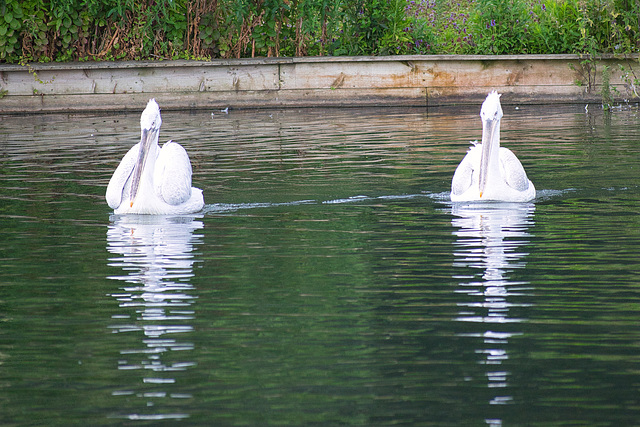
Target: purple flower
[(493, 22), (544, 7)]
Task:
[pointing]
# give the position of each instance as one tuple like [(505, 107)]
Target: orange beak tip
[(131, 204)]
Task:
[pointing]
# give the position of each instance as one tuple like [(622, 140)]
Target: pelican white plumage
[(488, 171), (153, 180)]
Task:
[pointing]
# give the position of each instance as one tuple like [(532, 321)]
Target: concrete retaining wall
[(309, 82)]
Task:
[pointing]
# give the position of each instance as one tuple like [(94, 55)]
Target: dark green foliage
[(80, 30), (502, 26)]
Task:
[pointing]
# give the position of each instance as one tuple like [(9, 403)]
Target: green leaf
[(8, 17), (3, 31)]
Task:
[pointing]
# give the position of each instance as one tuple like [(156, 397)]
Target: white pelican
[(488, 171), (151, 180)]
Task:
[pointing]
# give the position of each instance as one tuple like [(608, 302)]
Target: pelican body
[(153, 180), (488, 171)]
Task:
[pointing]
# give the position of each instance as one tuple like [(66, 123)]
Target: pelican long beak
[(145, 143), (489, 127)]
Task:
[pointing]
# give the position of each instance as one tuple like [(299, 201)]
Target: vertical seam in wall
[(279, 79), (426, 96)]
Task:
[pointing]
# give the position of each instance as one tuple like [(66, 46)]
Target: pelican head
[(150, 122), (491, 113), (491, 108), (150, 118)]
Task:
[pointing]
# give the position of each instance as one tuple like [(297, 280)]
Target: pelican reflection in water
[(490, 244), (155, 256), (154, 180), (488, 171)]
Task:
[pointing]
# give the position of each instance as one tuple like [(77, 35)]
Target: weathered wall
[(305, 82)]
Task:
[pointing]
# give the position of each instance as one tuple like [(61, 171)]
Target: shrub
[(63, 30)]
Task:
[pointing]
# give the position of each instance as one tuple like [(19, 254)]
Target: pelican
[(153, 180), (488, 171)]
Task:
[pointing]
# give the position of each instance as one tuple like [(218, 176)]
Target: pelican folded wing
[(512, 170), (173, 174), (119, 186)]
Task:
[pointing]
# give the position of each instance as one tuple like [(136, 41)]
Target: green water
[(328, 280)]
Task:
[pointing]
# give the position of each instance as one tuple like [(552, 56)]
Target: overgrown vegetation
[(81, 30)]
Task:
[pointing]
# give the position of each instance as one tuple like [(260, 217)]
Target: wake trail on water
[(442, 197), (216, 208)]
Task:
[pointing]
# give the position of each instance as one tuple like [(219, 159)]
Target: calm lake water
[(328, 281)]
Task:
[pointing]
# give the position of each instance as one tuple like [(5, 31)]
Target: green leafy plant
[(10, 28), (502, 27), (80, 30), (554, 27), (605, 92)]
